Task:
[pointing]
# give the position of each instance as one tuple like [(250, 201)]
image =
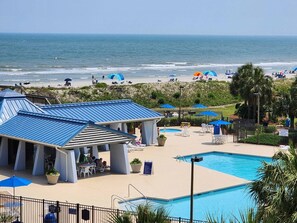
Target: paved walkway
[(171, 178)]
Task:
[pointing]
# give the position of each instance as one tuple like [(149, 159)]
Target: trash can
[(50, 218)]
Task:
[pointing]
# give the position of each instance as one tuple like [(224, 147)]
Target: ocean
[(45, 58)]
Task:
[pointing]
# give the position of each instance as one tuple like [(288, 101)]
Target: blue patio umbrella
[(14, 182), (199, 106), (166, 106), (118, 76), (220, 122), (210, 73), (207, 113)]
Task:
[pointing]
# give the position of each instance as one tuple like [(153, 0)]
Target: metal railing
[(31, 210)]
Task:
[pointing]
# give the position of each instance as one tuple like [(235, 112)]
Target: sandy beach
[(132, 80), (167, 173)]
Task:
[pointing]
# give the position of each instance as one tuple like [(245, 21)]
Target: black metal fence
[(30, 210)]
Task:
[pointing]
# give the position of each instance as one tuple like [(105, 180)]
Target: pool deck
[(171, 178)]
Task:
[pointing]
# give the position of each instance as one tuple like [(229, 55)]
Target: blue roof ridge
[(41, 115), (86, 103)]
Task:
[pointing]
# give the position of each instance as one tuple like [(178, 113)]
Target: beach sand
[(88, 82), (170, 178)]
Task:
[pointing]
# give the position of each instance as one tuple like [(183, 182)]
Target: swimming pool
[(243, 166), (169, 130), (228, 202)]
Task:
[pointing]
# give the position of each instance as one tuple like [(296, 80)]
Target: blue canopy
[(119, 76), (295, 69), (199, 106), (14, 182), (220, 122), (210, 73), (207, 113), (166, 106)]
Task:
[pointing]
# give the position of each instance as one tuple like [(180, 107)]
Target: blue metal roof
[(104, 112), (11, 102), (57, 131)]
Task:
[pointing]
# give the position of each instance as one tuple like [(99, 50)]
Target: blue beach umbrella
[(68, 79), (14, 182), (199, 106), (210, 73), (118, 76), (207, 113), (220, 122), (166, 106), (295, 69)]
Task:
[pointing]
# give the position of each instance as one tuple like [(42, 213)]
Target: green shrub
[(161, 101), (176, 95), (197, 101), (153, 95), (101, 85), (269, 129), (264, 139)]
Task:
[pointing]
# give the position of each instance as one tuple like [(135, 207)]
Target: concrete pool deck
[(171, 178)]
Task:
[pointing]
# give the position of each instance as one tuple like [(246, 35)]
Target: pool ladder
[(115, 197)]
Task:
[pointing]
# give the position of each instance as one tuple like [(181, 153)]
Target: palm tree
[(145, 213), (275, 191), (247, 82)]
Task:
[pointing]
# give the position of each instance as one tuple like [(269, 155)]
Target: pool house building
[(30, 133)]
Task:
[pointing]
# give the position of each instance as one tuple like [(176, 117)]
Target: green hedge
[(266, 139)]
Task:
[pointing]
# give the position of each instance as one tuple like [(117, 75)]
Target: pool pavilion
[(29, 133)]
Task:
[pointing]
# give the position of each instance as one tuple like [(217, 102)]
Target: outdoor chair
[(85, 171)]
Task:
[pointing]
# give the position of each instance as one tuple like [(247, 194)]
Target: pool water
[(170, 130), (243, 166), (227, 203)]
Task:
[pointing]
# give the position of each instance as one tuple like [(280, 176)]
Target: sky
[(165, 17)]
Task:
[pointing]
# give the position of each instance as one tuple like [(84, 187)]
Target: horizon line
[(145, 34)]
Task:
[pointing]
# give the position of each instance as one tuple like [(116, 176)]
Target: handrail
[(131, 185), (114, 197)]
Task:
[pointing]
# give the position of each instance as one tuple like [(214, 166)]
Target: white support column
[(38, 167), (95, 151), (119, 162), (77, 154), (124, 127), (66, 164), (20, 162), (4, 152), (72, 174), (149, 132)]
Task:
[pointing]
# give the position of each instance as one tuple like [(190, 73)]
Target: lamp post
[(258, 102), (179, 110), (193, 160)]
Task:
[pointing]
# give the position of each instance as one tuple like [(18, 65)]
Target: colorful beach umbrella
[(207, 113), (167, 106), (118, 76), (210, 73), (14, 182), (220, 122), (199, 106), (197, 74)]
